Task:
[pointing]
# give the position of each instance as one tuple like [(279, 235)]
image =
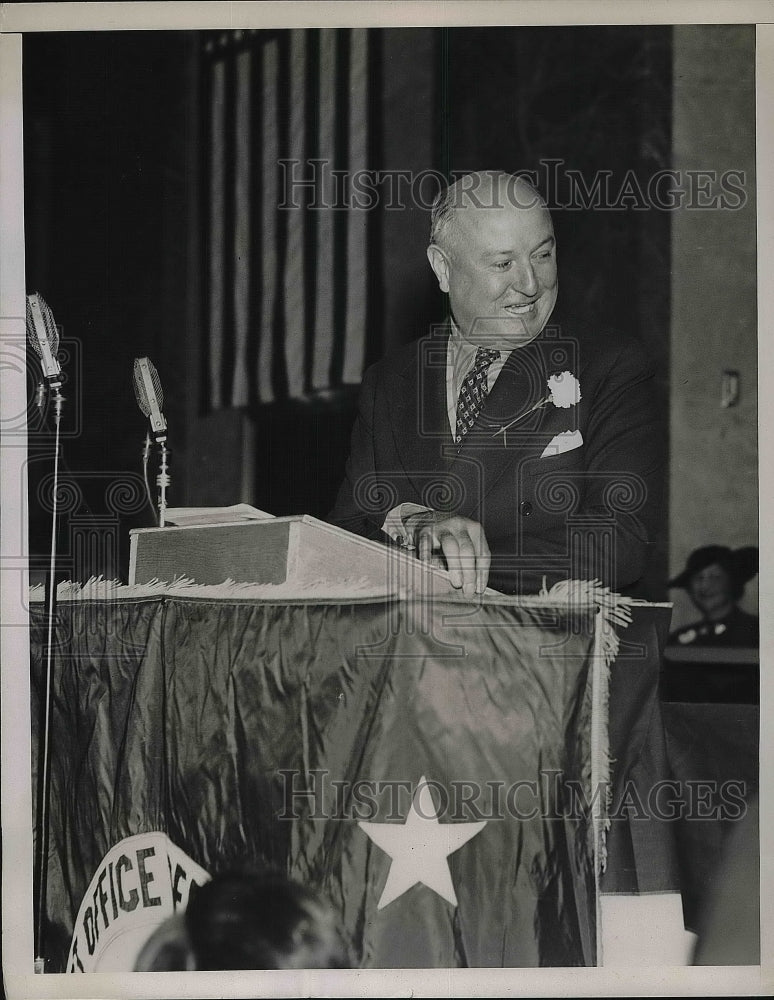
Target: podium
[(298, 549)]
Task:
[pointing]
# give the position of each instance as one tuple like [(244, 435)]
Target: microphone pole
[(150, 399), (44, 339)]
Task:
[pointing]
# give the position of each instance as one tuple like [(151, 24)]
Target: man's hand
[(462, 543)]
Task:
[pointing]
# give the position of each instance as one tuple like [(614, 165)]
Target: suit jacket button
[(526, 508)]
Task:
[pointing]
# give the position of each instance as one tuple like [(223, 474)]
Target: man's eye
[(544, 254), (503, 265)]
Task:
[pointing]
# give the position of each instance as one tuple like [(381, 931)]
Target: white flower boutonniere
[(563, 391)]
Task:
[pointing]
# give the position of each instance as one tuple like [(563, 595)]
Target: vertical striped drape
[(324, 257), (217, 196), (294, 263), (286, 124), (241, 246), (265, 192), (354, 341)]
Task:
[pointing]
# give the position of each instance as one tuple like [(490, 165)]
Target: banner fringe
[(574, 594), (98, 589), (613, 609)]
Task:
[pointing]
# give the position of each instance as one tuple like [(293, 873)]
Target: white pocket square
[(560, 443)]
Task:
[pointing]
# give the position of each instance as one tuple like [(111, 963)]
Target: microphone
[(150, 398), (44, 337)]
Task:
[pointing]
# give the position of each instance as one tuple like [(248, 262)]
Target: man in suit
[(514, 452)]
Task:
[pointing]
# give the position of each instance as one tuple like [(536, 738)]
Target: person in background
[(244, 920), (705, 661), (714, 578)]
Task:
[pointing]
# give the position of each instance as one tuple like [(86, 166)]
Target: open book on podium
[(246, 545)]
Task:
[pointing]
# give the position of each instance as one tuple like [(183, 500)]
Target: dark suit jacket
[(586, 513)]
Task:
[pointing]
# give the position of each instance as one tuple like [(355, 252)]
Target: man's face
[(500, 273)]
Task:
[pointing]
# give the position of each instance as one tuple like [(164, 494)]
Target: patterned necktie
[(473, 391)]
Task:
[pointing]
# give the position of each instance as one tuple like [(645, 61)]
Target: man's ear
[(440, 264)]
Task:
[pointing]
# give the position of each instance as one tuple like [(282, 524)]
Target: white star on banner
[(419, 847)]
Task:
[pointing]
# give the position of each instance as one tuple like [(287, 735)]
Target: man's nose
[(524, 279)]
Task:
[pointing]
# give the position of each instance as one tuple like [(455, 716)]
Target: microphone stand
[(45, 776), (163, 480)]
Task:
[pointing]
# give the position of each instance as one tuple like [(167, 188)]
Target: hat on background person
[(740, 564)]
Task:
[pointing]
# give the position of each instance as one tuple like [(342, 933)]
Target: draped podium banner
[(429, 766)]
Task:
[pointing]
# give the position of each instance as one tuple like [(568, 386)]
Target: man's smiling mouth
[(521, 308)]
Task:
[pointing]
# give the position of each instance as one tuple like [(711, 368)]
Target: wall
[(714, 485)]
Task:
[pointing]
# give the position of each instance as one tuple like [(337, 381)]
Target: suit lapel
[(485, 456), (418, 414), (521, 384)]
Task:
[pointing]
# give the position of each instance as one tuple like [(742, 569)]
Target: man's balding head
[(484, 189)]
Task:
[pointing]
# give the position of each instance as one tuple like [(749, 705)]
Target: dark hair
[(246, 921)]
